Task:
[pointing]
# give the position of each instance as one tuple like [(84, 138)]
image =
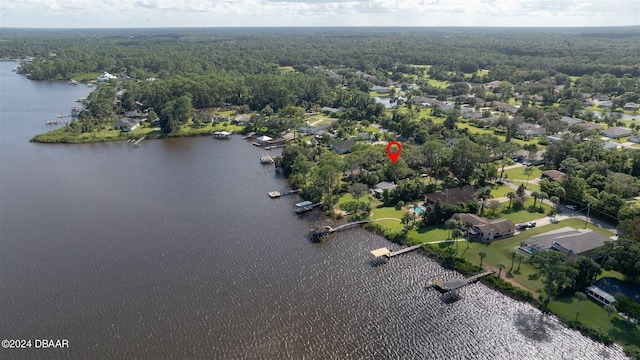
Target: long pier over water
[(326, 230)]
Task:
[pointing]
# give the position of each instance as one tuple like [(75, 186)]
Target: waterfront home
[(617, 132), (125, 124), (381, 89), (106, 77), (635, 139), (569, 241), (487, 230), (454, 195), (631, 106), (342, 147), (605, 104), (241, 119)]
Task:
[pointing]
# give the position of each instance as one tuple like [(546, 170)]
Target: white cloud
[(168, 13)]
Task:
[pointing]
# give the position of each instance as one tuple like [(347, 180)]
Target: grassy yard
[(62, 135), (386, 212), (500, 251), (498, 191), (594, 315), (518, 173)]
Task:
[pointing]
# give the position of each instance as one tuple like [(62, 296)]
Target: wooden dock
[(326, 230), (137, 142), (454, 284), (378, 253), (304, 209), (277, 194)]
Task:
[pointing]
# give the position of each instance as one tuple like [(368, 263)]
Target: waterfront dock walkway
[(454, 284), (389, 254)]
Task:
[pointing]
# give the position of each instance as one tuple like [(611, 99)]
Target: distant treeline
[(159, 52)]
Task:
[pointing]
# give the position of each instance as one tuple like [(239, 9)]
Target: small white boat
[(266, 159), (222, 135)]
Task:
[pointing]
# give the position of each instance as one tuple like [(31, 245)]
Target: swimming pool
[(417, 209)]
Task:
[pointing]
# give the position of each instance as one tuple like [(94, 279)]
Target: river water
[(174, 251)]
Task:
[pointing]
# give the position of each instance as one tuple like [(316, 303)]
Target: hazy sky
[(243, 13)]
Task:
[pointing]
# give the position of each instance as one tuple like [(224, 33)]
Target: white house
[(106, 77)]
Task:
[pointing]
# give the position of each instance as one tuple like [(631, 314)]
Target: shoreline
[(500, 285)]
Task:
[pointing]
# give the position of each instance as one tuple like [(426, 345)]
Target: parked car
[(531, 224), (522, 226), (571, 207)]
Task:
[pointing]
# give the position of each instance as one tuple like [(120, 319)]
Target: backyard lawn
[(594, 315), (500, 251)]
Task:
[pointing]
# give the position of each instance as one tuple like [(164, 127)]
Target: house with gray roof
[(635, 139), (605, 104), (126, 124), (380, 187), (342, 147), (381, 89), (531, 129), (569, 241), (571, 120), (617, 132), (631, 106)]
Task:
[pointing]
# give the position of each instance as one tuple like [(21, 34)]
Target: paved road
[(567, 214)]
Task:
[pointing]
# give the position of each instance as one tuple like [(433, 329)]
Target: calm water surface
[(174, 251)]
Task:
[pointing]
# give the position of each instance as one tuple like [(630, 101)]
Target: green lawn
[(386, 212), (62, 135), (427, 234), (595, 316), (499, 191), (518, 174), (500, 251)]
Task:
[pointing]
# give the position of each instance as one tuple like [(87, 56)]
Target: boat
[(91, 85), (266, 159), (222, 135), (73, 82)]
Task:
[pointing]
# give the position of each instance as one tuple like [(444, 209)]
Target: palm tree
[(513, 258), (560, 192), (450, 225), (581, 296), (482, 255), (543, 195), (501, 266), (456, 233), (528, 171), (610, 309), (555, 200), (511, 195), (535, 195), (520, 257)]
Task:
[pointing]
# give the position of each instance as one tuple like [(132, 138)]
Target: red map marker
[(393, 150)]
